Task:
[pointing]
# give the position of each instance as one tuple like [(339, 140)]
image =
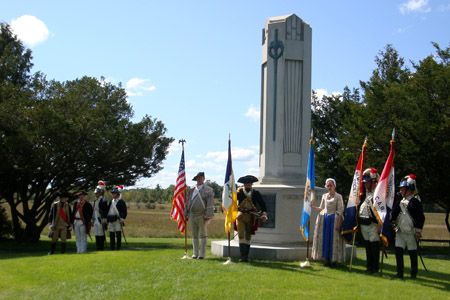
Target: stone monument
[(284, 140)]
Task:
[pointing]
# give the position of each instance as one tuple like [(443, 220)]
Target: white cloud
[(238, 154), (420, 6), (253, 113), (403, 29), (30, 30), (323, 92), (444, 8), (137, 86), (174, 147)]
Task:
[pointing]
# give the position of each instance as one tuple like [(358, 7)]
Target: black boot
[(414, 268), (375, 256), (97, 242), (399, 259), (102, 242), (63, 248), (52, 249), (112, 240), (119, 240), (247, 251), (243, 250), (369, 256)]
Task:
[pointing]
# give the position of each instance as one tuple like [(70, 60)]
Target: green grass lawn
[(153, 269)]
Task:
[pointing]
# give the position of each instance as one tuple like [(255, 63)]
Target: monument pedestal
[(286, 252)]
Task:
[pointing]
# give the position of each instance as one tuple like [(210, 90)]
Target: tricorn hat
[(82, 192), (64, 195), (198, 174), (115, 191), (248, 179)]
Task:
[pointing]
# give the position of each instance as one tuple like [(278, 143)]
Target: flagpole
[(229, 208), (306, 263), (357, 200), (381, 234), (182, 141), (229, 250)]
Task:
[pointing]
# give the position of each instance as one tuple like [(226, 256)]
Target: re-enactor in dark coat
[(368, 223), (60, 220), (251, 208), (408, 219), (116, 215)]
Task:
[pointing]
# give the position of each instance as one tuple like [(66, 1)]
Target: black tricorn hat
[(248, 179), (198, 174), (64, 195)]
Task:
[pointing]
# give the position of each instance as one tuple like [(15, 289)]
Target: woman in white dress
[(327, 241)]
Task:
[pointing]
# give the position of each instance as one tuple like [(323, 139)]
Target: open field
[(155, 223)]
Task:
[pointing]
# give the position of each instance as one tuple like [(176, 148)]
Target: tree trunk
[(30, 232)]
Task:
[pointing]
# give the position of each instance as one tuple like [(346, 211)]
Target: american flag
[(177, 213)]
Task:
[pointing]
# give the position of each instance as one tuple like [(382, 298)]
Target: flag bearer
[(100, 209), (199, 210), (370, 228), (251, 207), (408, 219)]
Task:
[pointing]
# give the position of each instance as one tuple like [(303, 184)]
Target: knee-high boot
[(52, 248), (375, 256), (247, 251), (63, 248), (243, 250), (369, 256), (414, 263), (119, 240), (399, 259), (112, 240), (102, 242)]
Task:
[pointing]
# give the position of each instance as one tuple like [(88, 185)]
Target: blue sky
[(195, 65)]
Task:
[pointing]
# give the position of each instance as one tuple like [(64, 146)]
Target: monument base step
[(288, 252)]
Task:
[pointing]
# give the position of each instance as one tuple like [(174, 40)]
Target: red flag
[(178, 202)]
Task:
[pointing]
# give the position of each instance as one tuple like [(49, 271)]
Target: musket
[(420, 255), (123, 233)]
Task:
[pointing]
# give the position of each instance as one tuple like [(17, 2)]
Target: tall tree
[(66, 136)]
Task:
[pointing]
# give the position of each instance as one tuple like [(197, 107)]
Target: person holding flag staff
[(60, 218), (200, 210), (408, 219), (82, 216), (251, 208), (327, 241), (370, 228), (100, 208), (116, 215)]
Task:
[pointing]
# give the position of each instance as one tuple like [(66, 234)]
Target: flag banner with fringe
[(383, 197), (350, 223), (178, 202), (229, 196)]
